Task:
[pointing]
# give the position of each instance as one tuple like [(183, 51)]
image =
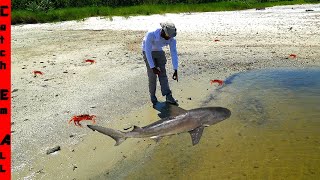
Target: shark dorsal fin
[(175, 110), (168, 118), (196, 135), (136, 129), (168, 110)]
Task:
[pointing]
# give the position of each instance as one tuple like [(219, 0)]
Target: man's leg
[(160, 60), (152, 81)]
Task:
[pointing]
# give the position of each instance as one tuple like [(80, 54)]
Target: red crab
[(37, 72), (220, 82), (90, 61), (77, 119), (292, 55)]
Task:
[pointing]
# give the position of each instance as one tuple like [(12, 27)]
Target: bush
[(42, 5)]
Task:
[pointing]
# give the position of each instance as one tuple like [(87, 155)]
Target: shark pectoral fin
[(196, 135)]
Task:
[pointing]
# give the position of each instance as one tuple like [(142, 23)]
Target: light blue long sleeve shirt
[(154, 42)]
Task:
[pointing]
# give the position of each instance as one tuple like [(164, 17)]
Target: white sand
[(116, 85)]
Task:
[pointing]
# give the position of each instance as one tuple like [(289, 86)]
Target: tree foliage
[(45, 5)]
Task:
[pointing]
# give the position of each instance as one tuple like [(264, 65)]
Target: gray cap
[(169, 28)]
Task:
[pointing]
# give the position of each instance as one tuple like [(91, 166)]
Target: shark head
[(215, 115)]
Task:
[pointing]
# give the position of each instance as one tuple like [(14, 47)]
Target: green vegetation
[(40, 11)]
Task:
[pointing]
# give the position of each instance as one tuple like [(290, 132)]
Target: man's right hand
[(156, 70), (175, 75)]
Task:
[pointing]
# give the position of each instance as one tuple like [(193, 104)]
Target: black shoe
[(171, 100), (154, 100)]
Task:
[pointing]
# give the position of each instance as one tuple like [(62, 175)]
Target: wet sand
[(115, 88)]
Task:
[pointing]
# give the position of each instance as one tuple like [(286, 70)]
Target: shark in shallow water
[(193, 121)]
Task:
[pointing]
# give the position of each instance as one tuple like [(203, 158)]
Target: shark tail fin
[(118, 136)]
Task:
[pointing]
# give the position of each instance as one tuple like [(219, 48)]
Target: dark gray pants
[(160, 61)]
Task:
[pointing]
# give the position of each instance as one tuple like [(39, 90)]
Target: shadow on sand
[(168, 110)]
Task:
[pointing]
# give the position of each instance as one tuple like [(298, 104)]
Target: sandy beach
[(211, 45)]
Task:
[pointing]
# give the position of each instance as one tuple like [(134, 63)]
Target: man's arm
[(174, 53), (148, 49), (174, 57)]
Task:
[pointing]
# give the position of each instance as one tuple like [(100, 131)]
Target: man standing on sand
[(155, 59)]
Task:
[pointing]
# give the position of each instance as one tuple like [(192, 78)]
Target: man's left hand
[(175, 75)]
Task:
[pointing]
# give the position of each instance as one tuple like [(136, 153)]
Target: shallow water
[(273, 133)]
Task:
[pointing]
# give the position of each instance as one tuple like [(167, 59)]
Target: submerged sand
[(115, 87)]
